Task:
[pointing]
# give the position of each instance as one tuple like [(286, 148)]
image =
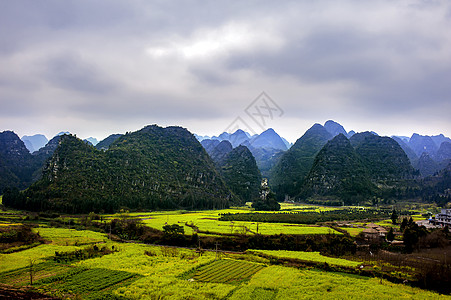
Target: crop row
[(227, 271), (94, 280), (21, 276)]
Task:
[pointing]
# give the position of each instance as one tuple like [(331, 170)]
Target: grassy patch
[(307, 256)]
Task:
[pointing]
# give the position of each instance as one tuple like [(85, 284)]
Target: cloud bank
[(96, 67)]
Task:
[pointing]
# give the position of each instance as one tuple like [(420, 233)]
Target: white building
[(443, 218)]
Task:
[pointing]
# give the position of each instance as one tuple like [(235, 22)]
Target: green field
[(138, 271), (207, 222), (276, 282), (71, 237), (307, 256), (227, 271)]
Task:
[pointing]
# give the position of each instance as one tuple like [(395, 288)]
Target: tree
[(390, 235), (269, 203), (394, 217), (403, 224), (173, 229), (412, 234), (31, 269)]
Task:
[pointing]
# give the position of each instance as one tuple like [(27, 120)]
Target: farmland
[(139, 271), (306, 256), (133, 274), (227, 271), (207, 223)]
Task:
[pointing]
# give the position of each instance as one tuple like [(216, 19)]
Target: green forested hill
[(105, 143), (16, 162), (338, 172), (385, 159), (219, 153), (153, 168), (241, 173), (288, 174)]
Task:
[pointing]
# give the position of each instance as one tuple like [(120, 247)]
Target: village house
[(443, 218), (374, 232)]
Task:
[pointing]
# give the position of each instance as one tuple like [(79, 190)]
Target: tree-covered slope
[(241, 173), (266, 159), (105, 143), (426, 165), (209, 144), (16, 162), (384, 158), (219, 153), (153, 168), (338, 172), (288, 174), (40, 157), (409, 152)]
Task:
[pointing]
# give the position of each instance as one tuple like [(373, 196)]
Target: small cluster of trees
[(418, 237), (267, 200), (14, 236)]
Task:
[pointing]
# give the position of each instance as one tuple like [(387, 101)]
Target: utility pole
[(216, 244), (31, 271)]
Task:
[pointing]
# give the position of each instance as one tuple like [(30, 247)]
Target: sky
[(97, 67)]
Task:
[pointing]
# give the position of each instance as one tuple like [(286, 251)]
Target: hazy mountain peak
[(422, 143), (92, 140), (238, 137), (439, 139), (335, 128), (444, 152), (269, 139), (34, 142)]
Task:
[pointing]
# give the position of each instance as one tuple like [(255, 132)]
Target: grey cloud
[(73, 73), (86, 59)]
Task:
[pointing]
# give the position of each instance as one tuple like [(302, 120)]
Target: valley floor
[(168, 273)]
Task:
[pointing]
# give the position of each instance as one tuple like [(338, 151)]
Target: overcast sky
[(96, 67)]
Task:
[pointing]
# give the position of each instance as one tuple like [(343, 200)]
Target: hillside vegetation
[(151, 168)]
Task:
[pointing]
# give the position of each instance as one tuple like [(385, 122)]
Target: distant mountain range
[(169, 168), (314, 167), (266, 147), (34, 142)]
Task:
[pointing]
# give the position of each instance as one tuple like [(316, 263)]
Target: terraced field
[(21, 276), (207, 222), (227, 271)]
